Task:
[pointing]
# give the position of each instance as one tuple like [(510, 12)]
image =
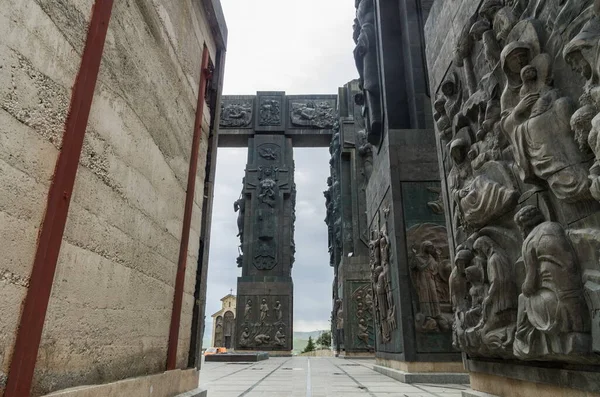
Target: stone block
[(423, 377), (194, 393)]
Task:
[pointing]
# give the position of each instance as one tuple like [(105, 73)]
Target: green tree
[(310, 347), (324, 340)]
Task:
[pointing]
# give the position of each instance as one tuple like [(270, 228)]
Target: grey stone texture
[(514, 94), (407, 237), (423, 377)]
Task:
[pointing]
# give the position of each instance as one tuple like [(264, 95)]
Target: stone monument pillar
[(409, 258), (351, 166), (267, 207)]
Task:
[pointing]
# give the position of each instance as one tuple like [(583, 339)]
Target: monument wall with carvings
[(516, 105), (351, 165), (409, 255)]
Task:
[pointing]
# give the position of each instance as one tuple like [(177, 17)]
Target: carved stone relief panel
[(361, 321), (365, 57), (312, 113), (384, 302), (517, 118), (265, 323), (429, 266), (269, 111), (236, 113)]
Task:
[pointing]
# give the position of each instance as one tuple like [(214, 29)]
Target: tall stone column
[(266, 220), (408, 250)]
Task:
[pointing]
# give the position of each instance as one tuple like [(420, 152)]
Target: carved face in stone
[(581, 124), (439, 105), (448, 88), (463, 259), (529, 74), (474, 274), (517, 59), (527, 218), (515, 56), (489, 8), (458, 150), (580, 52), (427, 247)]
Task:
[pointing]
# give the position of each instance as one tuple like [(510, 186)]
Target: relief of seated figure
[(553, 319), (539, 130)]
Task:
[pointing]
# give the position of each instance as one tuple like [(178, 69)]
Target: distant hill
[(301, 340)]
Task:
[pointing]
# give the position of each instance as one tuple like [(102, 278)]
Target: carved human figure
[(442, 120), (365, 150), (581, 54), (369, 301), (477, 291), (277, 310), (581, 124), (339, 315), (338, 309), (245, 338), (385, 300), (279, 337), (264, 310), (500, 303), (482, 31), (594, 144), (239, 206), (365, 56), (452, 90), (553, 319), (248, 310), (459, 293), (513, 58), (267, 192), (539, 130), (262, 339), (219, 332), (460, 173), (424, 268), (363, 332)]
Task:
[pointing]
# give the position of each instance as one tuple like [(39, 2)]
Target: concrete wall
[(38, 64), (110, 308)]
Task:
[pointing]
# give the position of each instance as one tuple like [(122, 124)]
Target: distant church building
[(224, 323)]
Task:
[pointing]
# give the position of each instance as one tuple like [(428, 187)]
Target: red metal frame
[(20, 375), (187, 217)]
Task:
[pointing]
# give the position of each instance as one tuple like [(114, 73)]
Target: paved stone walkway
[(311, 377)]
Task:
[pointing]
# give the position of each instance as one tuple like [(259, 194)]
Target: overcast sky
[(301, 47)]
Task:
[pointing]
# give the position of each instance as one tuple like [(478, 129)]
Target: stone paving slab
[(311, 377)]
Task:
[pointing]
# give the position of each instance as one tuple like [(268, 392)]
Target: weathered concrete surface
[(168, 384), (114, 284), (109, 313), (38, 64)]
